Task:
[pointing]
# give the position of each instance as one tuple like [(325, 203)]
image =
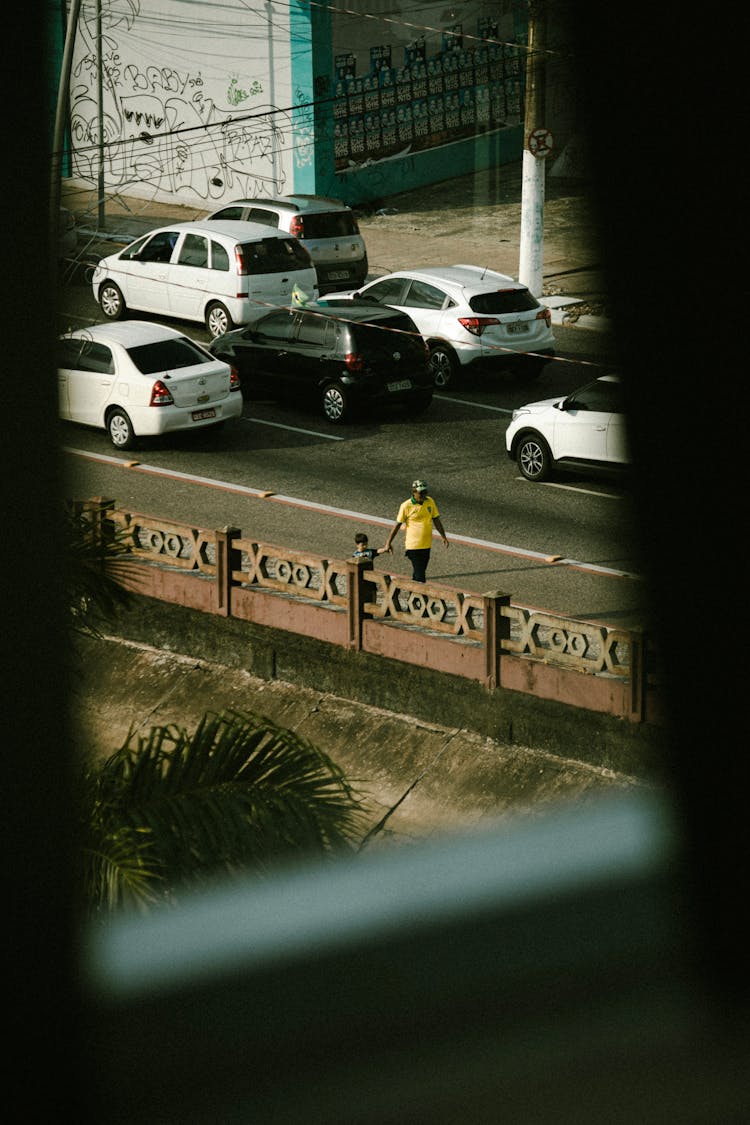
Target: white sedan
[(137, 379)]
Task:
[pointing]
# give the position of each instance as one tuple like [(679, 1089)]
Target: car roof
[(350, 310), (297, 202), (461, 277), (128, 333), (239, 230)]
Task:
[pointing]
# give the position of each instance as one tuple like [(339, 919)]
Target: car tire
[(335, 403), (443, 365), (218, 320), (534, 457), (120, 429), (111, 301)]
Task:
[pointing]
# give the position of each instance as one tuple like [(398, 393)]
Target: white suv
[(586, 429), (469, 317), (326, 227)]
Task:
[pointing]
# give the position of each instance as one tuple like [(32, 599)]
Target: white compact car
[(139, 379), (469, 317), (215, 272), (327, 227), (583, 430)]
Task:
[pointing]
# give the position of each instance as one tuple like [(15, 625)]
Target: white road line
[(346, 513), (570, 488), (479, 405), (294, 429)]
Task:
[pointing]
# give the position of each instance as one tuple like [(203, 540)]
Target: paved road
[(284, 476)]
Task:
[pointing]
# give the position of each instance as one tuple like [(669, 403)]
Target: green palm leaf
[(240, 793)]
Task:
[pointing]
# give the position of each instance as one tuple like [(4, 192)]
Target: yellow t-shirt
[(417, 520)]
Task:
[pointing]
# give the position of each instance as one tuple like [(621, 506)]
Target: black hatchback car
[(342, 356)]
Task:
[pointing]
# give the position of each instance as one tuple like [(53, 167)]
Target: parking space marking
[(294, 429), (571, 488), (479, 405)]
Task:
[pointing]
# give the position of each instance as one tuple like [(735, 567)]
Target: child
[(365, 552)]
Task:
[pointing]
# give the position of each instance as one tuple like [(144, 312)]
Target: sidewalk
[(446, 222)]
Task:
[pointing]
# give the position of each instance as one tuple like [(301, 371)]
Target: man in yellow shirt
[(419, 514)]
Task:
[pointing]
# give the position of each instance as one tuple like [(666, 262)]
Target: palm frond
[(238, 793), (97, 565)]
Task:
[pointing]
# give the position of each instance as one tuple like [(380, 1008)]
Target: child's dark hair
[(360, 537)]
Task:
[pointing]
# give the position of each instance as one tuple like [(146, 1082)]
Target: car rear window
[(504, 301), (273, 255), (329, 224), (167, 355), (389, 334)]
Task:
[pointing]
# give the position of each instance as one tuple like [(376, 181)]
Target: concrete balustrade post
[(355, 605), (225, 551), (496, 630), (97, 509), (638, 676)]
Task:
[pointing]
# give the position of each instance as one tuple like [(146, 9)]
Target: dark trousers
[(419, 559)]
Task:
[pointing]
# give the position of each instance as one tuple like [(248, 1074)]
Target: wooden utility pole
[(537, 146)]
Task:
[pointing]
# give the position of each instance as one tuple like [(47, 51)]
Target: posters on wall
[(472, 83)]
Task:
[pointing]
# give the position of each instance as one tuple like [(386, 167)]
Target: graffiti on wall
[(167, 126)]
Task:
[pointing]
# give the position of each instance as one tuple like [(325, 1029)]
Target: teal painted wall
[(390, 177), (364, 182)]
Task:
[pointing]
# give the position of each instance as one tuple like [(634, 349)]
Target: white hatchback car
[(140, 379), (469, 317), (215, 272), (328, 228), (586, 429)]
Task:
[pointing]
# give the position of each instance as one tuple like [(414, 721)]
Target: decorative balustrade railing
[(236, 566)]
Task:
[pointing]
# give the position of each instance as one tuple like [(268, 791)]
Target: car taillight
[(297, 227), (544, 314), (234, 380), (477, 324), (161, 395), (239, 258), (353, 361)]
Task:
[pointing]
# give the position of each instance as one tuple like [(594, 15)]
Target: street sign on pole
[(540, 142)]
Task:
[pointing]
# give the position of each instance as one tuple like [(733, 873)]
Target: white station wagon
[(140, 379), (218, 272)]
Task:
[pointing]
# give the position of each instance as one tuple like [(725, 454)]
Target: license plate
[(200, 415), (518, 329), (338, 275), (403, 385)]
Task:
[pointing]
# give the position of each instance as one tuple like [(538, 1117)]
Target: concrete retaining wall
[(503, 715)]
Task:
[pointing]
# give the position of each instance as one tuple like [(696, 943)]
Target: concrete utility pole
[(537, 146)]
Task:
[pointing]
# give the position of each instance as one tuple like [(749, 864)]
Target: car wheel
[(120, 429), (218, 320), (111, 301), (533, 457), (443, 365), (335, 403)]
